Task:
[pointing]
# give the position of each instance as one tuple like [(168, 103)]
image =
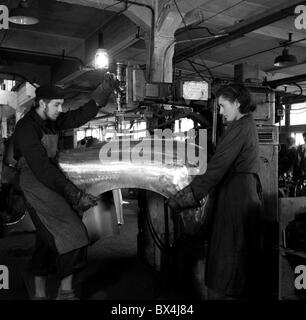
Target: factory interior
[(149, 72)]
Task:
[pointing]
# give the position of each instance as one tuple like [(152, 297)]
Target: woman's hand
[(182, 200)]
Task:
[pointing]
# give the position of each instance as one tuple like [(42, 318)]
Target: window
[(80, 135), (298, 138), (8, 85), (298, 114), (109, 133), (181, 126), (140, 130)]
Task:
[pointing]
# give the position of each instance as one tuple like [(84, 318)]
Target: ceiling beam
[(240, 29), (123, 38), (30, 72), (137, 11), (273, 32), (279, 82), (43, 42), (295, 69)]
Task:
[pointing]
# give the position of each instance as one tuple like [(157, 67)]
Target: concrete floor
[(113, 271)]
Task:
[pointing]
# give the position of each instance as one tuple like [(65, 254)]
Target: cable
[(21, 76), (110, 6), (208, 30), (151, 30), (184, 22), (226, 9), (299, 109), (154, 234), (203, 65), (254, 54), (4, 36), (209, 18), (198, 28), (301, 89), (196, 70), (190, 74), (108, 20)]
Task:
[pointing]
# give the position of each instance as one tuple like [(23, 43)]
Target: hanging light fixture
[(286, 59), (23, 14), (101, 60)]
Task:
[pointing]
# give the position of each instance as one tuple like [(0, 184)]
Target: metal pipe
[(239, 30), (42, 54), (279, 82), (167, 236), (14, 75), (215, 123), (202, 38), (254, 54), (151, 33)]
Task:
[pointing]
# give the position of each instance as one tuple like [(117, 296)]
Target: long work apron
[(63, 223), (235, 243)]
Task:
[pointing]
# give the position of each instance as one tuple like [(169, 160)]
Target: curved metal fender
[(96, 173), (93, 171)]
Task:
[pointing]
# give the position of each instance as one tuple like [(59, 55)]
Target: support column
[(161, 68), (4, 127)]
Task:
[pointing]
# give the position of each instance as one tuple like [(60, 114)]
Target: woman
[(234, 244)]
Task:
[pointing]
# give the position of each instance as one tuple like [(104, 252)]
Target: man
[(300, 163), (287, 157), (56, 204)]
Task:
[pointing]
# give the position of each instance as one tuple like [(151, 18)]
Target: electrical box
[(138, 87), (268, 135), (195, 90), (160, 91), (264, 99), (268, 173), (188, 90), (245, 72)]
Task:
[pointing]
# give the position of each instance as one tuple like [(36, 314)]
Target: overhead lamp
[(285, 59), (101, 60), (23, 14)]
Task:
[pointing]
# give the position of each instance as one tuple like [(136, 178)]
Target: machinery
[(161, 104)]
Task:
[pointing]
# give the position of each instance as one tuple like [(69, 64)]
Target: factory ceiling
[(63, 42)]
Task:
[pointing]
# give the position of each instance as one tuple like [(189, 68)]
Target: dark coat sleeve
[(292, 155), (27, 141), (297, 164), (76, 118), (226, 153)]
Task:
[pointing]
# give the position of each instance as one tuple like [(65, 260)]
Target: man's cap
[(49, 92)]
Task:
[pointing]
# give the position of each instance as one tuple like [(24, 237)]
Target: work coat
[(234, 243)]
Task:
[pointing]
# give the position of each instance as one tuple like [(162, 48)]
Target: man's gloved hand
[(105, 89), (182, 200), (78, 199)]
